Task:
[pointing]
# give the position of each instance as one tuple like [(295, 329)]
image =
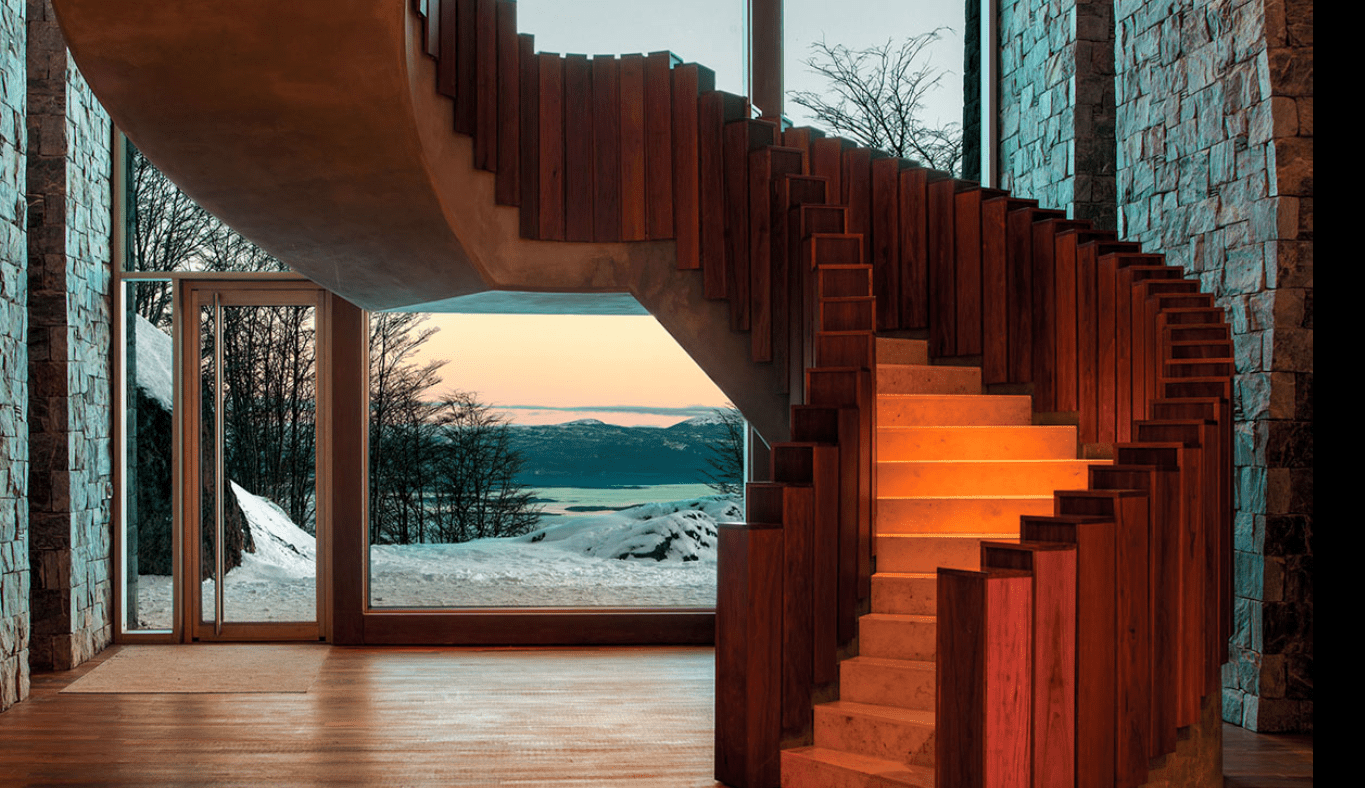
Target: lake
[(568, 501)]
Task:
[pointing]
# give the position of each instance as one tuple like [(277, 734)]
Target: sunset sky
[(533, 363)]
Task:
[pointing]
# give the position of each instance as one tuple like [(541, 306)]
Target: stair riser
[(990, 477), (902, 379), (904, 596), (956, 515), (953, 411), (927, 554), (802, 771), (896, 639), (910, 686), (877, 737), (976, 443), (902, 351)]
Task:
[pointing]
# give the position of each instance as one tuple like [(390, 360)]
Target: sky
[(547, 369)]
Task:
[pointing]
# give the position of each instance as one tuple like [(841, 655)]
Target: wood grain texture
[(466, 66), (486, 79), (686, 191), (659, 145), (715, 109), (529, 136), (507, 188), (1045, 311), (994, 292), (1068, 328), (634, 219), (447, 83), (579, 161), (914, 249), (606, 148), (967, 273), (856, 188), (551, 178), (886, 240), (942, 295)]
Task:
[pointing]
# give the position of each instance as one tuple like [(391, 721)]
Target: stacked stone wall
[(68, 278), (1215, 170), (14, 567), (1057, 105)]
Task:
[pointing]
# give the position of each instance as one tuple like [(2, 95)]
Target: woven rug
[(206, 668)]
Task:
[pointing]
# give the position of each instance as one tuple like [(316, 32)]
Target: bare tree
[(726, 456), (876, 97)]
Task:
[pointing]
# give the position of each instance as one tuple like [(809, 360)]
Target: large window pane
[(544, 461)]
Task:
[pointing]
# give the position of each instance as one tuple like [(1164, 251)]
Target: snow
[(709, 418), (651, 555), (153, 348)]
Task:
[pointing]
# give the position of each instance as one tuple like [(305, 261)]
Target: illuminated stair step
[(816, 767), (902, 683), (925, 553), (966, 514), (892, 636), (905, 593), (923, 379), (891, 350), (952, 410), (905, 735), (980, 477), (976, 443)]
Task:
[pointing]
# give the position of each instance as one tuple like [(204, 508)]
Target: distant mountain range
[(591, 453)]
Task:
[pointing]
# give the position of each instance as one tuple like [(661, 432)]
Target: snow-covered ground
[(652, 555)]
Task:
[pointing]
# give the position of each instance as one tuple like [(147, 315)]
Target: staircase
[(773, 255), (955, 467)]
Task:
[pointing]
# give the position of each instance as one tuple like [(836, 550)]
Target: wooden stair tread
[(891, 713), (852, 769)]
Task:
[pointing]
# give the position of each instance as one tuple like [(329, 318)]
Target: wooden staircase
[(955, 467)]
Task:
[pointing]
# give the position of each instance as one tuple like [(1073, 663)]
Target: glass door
[(251, 506)]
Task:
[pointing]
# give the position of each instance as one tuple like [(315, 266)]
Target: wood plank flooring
[(436, 716)]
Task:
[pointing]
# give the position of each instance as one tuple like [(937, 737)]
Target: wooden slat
[(1045, 311), (1053, 641), (857, 194), (984, 691), (431, 26), (798, 646), (1123, 338), (1145, 280), (838, 426), (486, 78), (686, 190), (942, 298), (606, 148), (914, 250), (1089, 338), (967, 272), (1067, 289), (659, 145), (816, 464), (579, 159), (447, 83), (530, 136), (741, 139), (466, 68), (551, 147), (508, 183), (1095, 637), (715, 109), (634, 220), (748, 654), (1132, 622), (767, 166), (994, 292), (886, 240), (792, 192), (827, 161)]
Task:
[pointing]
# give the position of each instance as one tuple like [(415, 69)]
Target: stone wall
[(69, 171), (1215, 171), (1057, 105), (14, 571)]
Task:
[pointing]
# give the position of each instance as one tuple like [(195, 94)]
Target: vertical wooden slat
[(447, 83), (1068, 280), (659, 145), (715, 110), (551, 146), (579, 159), (486, 77), (466, 74), (967, 256), (914, 247), (886, 238), (634, 224), (857, 194), (1132, 621), (827, 161), (530, 136), (994, 292), (686, 211), (767, 166), (1053, 643), (507, 186), (431, 17), (1095, 637), (748, 654), (606, 148), (798, 654), (984, 690), (741, 138), (1044, 312), (942, 298)]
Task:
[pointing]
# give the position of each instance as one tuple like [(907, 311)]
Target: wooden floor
[(434, 716)]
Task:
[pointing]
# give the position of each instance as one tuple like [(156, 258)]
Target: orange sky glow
[(569, 361)]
